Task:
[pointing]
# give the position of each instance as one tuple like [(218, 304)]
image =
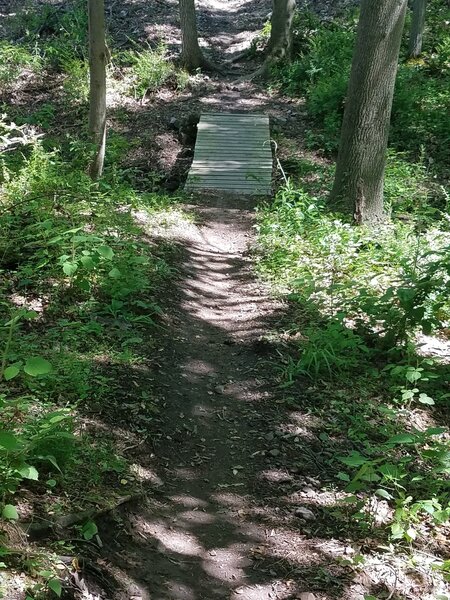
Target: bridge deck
[(232, 154)]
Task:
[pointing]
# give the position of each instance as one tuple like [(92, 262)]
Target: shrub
[(149, 70), (14, 59)]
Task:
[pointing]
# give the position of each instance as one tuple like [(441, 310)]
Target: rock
[(305, 513), (219, 389), (306, 596)]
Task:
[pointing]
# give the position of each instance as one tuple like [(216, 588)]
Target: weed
[(14, 60), (150, 69)]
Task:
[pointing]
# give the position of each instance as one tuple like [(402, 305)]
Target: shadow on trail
[(219, 520)]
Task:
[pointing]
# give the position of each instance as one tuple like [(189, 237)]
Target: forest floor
[(235, 502)]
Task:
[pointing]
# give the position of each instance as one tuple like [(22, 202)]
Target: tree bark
[(97, 84), (417, 28), (191, 54), (359, 179), (280, 42)]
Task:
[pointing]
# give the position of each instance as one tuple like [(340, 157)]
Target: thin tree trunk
[(191, 54), (359, 179), (97, 89), (280, 42), (417, 28)]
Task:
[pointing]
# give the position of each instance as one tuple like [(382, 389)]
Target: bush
[(396, 280)]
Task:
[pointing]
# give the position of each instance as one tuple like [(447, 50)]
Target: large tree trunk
[(97, 90), (280, 43), (191, 54), (359, 179), (417, 27)]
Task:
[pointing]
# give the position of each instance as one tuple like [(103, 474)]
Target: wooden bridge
[(232, 154)]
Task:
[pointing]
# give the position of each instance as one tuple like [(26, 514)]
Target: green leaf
[(106, 252), (51, 459), (413, 375), (402, 438), (383, 494), (355, 459), (87, 262), (37, 366), (8, 441), (10, 512), (140, 260), (11, 372), (45, 573), (89, 530), (441, 516), (70, 268), (425, 399), (55, 586), (51, 482), (435, 430), (29, 472), (397, 530), (115, 273)]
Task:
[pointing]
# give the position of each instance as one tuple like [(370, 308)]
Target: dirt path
[(233, 505), (204, 536)]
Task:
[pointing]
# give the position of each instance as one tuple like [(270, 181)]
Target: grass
[(150, 69), (14, 60)]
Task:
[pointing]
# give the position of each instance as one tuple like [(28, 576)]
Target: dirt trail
[(204, 536)]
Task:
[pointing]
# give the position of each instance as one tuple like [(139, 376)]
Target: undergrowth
[(361, 302), (320, 72), (78, 286)]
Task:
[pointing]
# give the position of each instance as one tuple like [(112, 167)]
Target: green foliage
[(328, 352), (320, 72), (398, 280), (76, 82), (14, 59), (73, 250), (359, 297), (150, 69), (61, 31)]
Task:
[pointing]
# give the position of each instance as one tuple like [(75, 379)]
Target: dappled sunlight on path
[(221, 524)]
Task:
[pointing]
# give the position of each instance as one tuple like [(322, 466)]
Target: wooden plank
[(233, 153)]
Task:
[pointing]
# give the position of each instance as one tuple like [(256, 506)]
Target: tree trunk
[(417, 27), (191, 54), (97, 89), (359, 179), (280, 42)]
